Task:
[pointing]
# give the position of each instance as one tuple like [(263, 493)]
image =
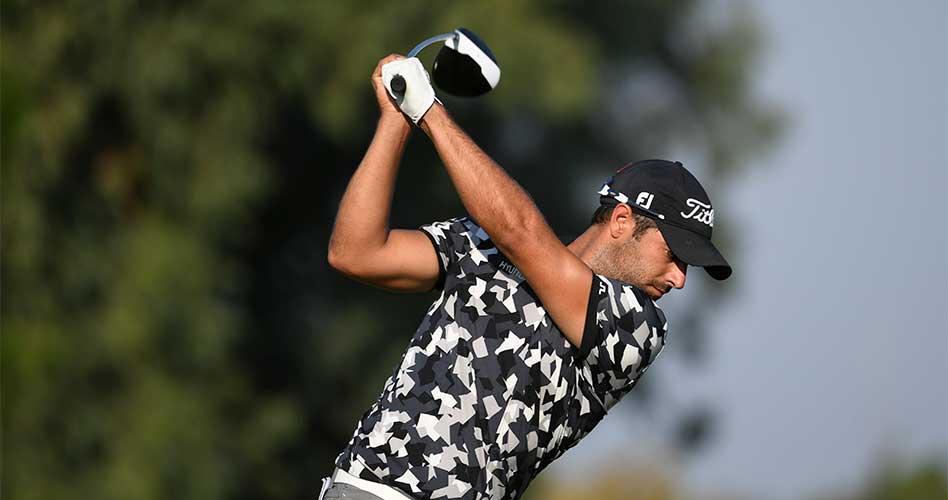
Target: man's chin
[(654, 292)]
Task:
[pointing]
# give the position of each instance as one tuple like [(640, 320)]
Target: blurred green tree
[(896, 480), (171, 173), (929, 480), (632, 480)]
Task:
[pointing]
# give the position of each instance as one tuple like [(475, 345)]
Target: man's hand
[(417, 95), (387, 106)]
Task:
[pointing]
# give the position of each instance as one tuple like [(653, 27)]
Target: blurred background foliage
[(924, 480), (171, 172)]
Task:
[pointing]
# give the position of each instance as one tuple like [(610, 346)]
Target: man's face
[(645, 262)]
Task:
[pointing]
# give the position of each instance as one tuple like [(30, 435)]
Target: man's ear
[(622, 222)]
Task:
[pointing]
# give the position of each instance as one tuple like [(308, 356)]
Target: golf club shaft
[(437, 38), (398, 82)]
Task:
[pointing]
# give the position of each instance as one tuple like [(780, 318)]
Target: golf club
[(465, 66)]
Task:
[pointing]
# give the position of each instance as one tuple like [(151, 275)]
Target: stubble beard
[(621, 261)]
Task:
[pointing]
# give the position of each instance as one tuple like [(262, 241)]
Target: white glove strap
[(419, 95)]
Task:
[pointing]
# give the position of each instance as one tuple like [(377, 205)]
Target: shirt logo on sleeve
[(510, 269)]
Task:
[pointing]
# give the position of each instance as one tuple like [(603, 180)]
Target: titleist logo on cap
[(700, 212)]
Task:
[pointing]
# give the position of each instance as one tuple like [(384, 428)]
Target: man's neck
[(584, 246)]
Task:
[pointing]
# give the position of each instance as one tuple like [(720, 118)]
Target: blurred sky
[(831, 355)]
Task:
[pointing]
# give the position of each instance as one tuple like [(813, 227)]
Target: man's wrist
[(436, 113), (395, 121)]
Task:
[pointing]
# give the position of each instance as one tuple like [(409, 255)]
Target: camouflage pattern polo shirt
[(489, 391)]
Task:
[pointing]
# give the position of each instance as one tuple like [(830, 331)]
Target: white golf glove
[(419, 95)]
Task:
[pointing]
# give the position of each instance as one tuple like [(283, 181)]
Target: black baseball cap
[(667, 192)]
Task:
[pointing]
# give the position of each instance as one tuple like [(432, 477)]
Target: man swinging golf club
[(530, 341)]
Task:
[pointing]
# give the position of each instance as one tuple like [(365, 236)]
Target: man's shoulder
[(462, 226), (462, 235), (622, 298)]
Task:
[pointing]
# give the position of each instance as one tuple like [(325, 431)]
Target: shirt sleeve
[(451, 240), (624, 332)]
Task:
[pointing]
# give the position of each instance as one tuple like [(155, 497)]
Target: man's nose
[(677, 275)]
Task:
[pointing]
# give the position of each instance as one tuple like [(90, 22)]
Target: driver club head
[(465, 66)]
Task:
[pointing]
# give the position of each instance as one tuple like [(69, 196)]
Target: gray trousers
[(340, 490)]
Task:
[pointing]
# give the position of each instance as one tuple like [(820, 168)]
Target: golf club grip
[(398, 84)]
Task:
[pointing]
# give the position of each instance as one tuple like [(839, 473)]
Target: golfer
[(530, 342)]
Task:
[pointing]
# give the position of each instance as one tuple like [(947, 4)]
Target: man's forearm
[(362, 221), (491, 197)]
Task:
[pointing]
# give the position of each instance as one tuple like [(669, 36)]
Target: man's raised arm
[(506, 212), (362, 246)]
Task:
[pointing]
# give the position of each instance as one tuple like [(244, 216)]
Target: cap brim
[(695, 250)]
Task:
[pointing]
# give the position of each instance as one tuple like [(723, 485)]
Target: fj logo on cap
[(700, 212), (644, 199)]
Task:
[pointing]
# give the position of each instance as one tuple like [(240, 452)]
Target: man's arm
[(362, 246), (506, 212)]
